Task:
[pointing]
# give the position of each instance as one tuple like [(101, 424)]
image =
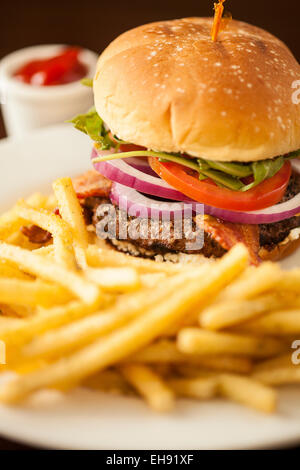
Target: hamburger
[(180, 119)]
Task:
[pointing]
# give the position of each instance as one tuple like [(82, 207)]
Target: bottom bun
[(277, 253), (159, 255), (283, 249)]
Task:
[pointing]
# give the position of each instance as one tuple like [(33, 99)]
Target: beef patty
[(269, 234)]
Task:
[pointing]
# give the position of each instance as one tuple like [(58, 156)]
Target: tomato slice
[(265, 194)]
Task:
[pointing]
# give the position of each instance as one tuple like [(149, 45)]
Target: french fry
[(249, 392), (290, 282), (166, 352), (152, 279), (77, 334), (129, 339), (38, 201), (15, 311), (277, 362), (71, 212), (114, 279), (230, 313), (202, 388), (46, 269), (109, 381), (279, 376), (9, 270), (99, 257), (150, 386), (134, 323), (280, 323), (51, 203), (198, 341), (60, 230), (10, 222), (21, 331), (253, 282), (47, 251), (32, 293)]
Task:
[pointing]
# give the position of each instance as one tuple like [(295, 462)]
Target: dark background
[(94, 23)]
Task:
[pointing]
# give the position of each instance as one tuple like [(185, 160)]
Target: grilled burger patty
[(269, 234), (272, 234)]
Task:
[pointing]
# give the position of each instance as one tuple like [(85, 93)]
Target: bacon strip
[(91, 184), (228, 235), (36, 234)]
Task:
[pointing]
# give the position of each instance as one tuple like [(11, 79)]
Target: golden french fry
[(71, 212), (60, 230), (139, 333), (198, 341), (51, 203), (114, 279), (46, 269), (22, 331), (253, 282), (166, 352), (10, 222), (100, 257), (248, 392), (150, 386), (22, 311), (79, 333), (47, 251), (152, 279), (9, 270), (32, 293), (109, 381), (279, 376), (15, 311), (201, 388), (280, 323), (277, 362), (38, 201), (230, 313), (290, 281)]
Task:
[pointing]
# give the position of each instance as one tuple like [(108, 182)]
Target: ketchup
[(59, 70)]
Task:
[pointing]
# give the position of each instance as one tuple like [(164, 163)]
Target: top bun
[(168, 87)]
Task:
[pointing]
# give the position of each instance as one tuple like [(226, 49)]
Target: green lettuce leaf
[(92, 125), (263, 170)]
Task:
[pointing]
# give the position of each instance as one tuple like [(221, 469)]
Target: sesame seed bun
[(167, 86)]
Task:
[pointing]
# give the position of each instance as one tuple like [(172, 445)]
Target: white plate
[(86, 420)]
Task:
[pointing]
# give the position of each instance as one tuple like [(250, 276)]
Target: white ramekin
[(26, 107)]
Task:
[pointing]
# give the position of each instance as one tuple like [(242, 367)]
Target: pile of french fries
[(74, 312)]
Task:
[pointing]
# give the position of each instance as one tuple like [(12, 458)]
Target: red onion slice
[(137, 205), (141, 165), (120, 172)]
